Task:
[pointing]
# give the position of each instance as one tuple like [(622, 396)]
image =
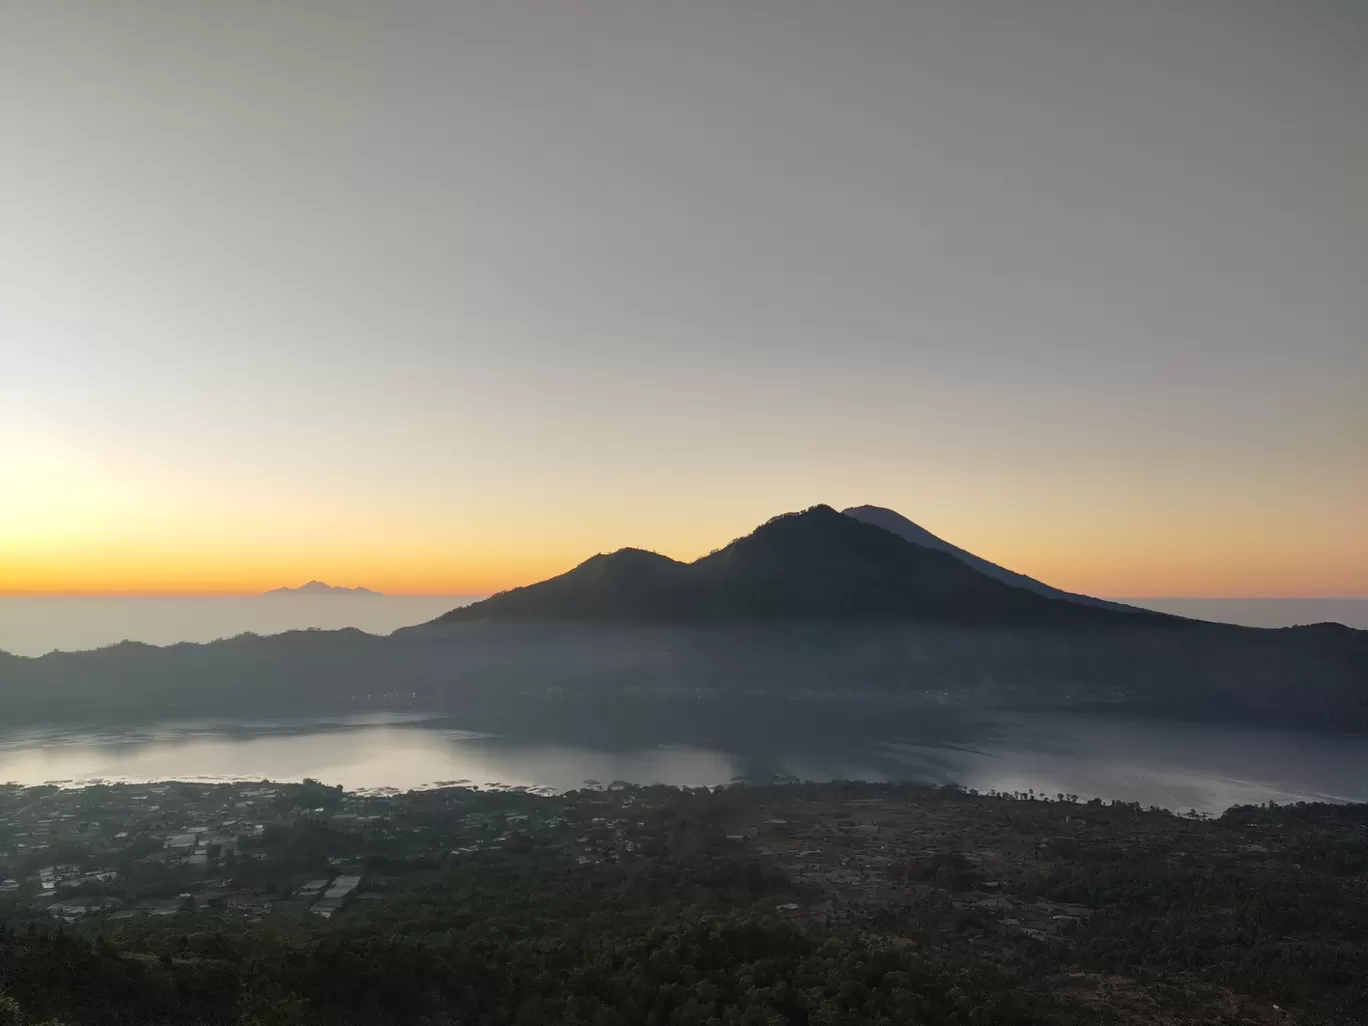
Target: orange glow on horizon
[(80, 530)]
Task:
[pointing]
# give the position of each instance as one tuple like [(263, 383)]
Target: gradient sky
[(444, 297)]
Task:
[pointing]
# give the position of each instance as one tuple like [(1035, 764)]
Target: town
[(250, 850), (1114, 906), (259, 849)]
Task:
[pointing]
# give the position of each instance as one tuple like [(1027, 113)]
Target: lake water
[(35, 625), (1175, 765)]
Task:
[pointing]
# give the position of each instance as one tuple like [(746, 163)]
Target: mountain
[(814, 605), (815, 565), (891, 520), (319, 588)]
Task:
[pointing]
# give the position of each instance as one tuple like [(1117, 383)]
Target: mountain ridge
[(814, 604)]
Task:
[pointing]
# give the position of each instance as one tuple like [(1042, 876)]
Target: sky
[(444, 297)]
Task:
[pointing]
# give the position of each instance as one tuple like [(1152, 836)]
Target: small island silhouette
[(319, 588)]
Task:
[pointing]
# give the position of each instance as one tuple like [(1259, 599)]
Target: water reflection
[(396, 755), (1178, 766)]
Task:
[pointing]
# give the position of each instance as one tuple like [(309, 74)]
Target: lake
[(1175, 765)]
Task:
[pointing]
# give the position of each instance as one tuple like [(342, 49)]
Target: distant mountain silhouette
[(813, 565), (891, 520), (319, 588)]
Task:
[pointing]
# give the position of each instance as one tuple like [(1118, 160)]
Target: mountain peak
[(628, 554), (624, 564), (320, 588)]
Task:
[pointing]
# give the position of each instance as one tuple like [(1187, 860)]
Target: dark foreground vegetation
[(801, 904)]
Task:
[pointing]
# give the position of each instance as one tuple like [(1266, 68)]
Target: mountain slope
[(814, 565), (891, 520)]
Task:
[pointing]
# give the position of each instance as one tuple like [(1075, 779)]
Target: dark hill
[(814, 565)]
